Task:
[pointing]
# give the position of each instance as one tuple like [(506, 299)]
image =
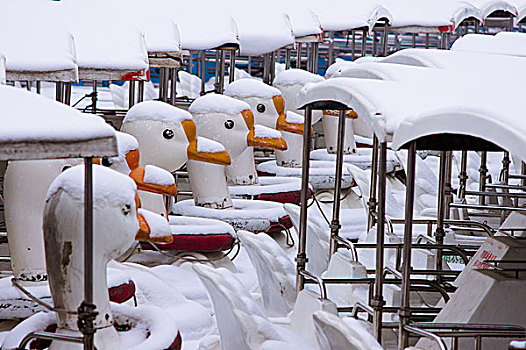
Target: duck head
[(269, 110), (167, 136), (116, 223), (231, 123)]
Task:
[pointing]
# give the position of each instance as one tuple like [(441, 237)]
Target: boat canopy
[(36, 127)]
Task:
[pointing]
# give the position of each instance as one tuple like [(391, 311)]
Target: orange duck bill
[(282, 124), (153, 228), (267, 138), (155, 180)]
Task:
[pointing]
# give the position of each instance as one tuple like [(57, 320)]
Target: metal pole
[(221, 86), (377, 302), (439, 233), (39, 87), (140, 91), (67, 93), (166, 80), (131, 94), (250, 65), (364, 43), (335, 223), (301, 258), (287, 58), (173, 82), (87, 313), (232, 66), (94, 98), (331, 49), (448, 191), (375, 53), (203, 72), (372, 189), (483, 171), (313, 57), (405, 313), (59, 91), (523, 172), (353, 45), (413, 35), (161, 82), (298, 56), (272, 68), (385, 42), (506, 168), (463, 176)]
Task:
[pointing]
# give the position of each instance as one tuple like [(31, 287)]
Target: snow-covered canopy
[(429, 107), (260, 31), (35, 127), (504, 43), (487, 7), (42, 51), (431, 16), (338, 15), (303, 20), (520, 5), (202, 24)]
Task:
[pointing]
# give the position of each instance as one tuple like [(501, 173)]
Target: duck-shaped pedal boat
[(116, 222), (168, 139), (268, 106), (25, 188), (231, 123)]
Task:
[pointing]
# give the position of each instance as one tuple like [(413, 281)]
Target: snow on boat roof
[(520, 5), (244, 88), (212, 29), (337, 15), (303, 20), (214, 103), (296, 76), (435, 16), (473, 62), (406, 110), (504, 43), (261, 31), (156, 110), (35, 127), (44, 54), (487, 7)]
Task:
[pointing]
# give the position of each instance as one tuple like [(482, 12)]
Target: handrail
[(319, 280), (481, 225), (347, 244), (439, 341), (361, 306), (389, 269), (422, 237), (49, 336), (486, 207), (496, 194)]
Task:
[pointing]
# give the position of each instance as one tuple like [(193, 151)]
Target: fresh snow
[(296, 76), (158, 176), (210, 146), (264, 132), (156, 110), (244, 88), (214, 103)]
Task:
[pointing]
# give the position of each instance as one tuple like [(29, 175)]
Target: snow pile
[(160, 35), (29, 117), (157, 176), (156, 110), (503, 43), (209, 146), (109, 187), (303, 20), (199, 226), (264, 132), (35, 323), (214, 103), (158, 225), (296, 76), (245, 88)]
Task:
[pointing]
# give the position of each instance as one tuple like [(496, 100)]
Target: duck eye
[(106, 161), (168, 134), (66, 167), (261, 108), (126, 209), (229, 124)]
